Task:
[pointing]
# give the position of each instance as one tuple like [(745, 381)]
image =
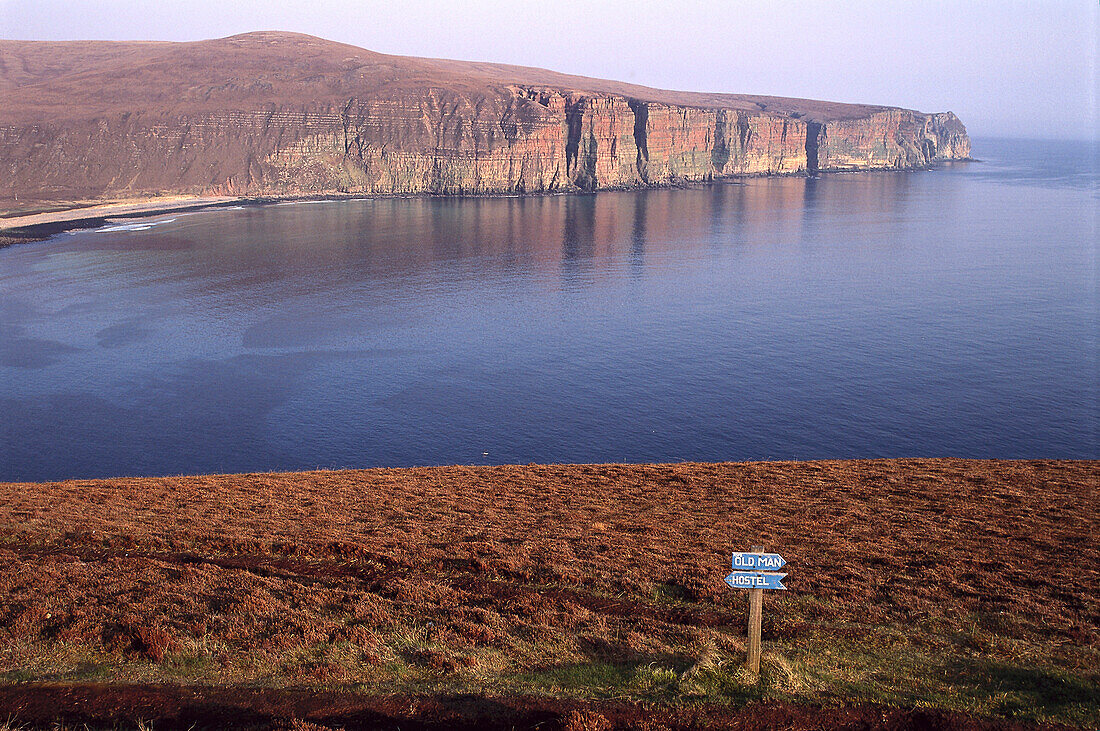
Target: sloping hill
[(473, 597), (287, 114)]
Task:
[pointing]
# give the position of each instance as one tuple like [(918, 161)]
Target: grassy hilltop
[(586, 595)]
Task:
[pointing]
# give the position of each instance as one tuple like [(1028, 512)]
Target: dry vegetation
[(964, 585)]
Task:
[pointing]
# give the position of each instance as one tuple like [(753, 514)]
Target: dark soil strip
[(182, 707)]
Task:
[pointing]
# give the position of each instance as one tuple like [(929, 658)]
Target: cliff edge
[(285, 114)]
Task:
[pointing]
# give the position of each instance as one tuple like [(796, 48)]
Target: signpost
[(758, 562), (755, 571), (753, 580)]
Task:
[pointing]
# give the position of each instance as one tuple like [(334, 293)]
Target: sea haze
[(938, 313)]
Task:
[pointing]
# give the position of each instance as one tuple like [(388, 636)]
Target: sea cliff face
[(539, 141), (414, 127), (893, 139)]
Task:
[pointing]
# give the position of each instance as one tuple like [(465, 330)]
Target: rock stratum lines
[(279, 114)]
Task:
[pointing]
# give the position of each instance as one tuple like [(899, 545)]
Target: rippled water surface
[(951, 312)]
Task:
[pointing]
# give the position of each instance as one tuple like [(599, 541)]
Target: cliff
[(287, 114)]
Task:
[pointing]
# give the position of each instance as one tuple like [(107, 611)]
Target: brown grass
[(603, 579)]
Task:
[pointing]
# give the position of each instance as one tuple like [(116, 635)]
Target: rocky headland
[(282, 114)]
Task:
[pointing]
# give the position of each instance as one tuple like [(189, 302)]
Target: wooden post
[(756, 612)]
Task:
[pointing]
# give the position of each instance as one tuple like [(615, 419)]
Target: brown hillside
[(79, 79), (282, 114), (968, 585)]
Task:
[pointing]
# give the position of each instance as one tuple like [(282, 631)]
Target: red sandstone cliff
[(287, 114)]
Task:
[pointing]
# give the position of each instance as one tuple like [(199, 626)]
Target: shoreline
[(91, 214), (416, 471), (32, 227)]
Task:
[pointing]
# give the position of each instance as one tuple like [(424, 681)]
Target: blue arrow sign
[(755, 580), (758, 562)]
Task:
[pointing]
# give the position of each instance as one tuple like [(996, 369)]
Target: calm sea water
[(952, 312)]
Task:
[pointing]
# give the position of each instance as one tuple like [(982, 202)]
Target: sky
[(1007, 68)]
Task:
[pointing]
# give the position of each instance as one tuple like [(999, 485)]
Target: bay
[(951, 312)]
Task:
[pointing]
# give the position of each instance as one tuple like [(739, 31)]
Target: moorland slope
[(488, 597), (284, 114)]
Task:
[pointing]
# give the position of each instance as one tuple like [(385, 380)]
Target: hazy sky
[(1006, 67)]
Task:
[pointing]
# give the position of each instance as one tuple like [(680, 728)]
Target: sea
[(950, 312)]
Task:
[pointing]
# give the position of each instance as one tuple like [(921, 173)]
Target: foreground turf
[(961, 585)]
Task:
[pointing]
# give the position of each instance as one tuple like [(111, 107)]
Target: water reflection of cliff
[(312, 245)]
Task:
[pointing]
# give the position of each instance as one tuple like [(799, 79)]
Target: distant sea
[(951, 312)]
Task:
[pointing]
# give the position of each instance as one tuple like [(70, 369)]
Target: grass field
[(969, 587)]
